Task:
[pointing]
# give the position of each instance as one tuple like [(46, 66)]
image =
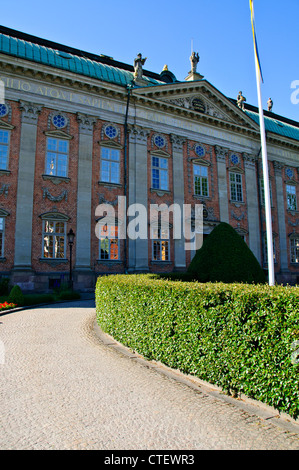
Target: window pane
[(48, 246)]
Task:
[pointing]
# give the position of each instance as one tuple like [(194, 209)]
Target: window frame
[(236, 185), (111, 241), (291, 205), (201, 178), (57, 154), (110, 161), (294, 250), (7, 146), (158, 242), (54, 234), (160, 171)]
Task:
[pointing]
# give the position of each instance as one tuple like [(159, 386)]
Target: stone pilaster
[(138, 192), (281, 216), (83, 234), (24, 209), (178, 195), (221, 154)]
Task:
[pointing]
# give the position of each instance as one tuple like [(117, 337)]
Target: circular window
[(59, 121), (3, 110), (199, 150), (111, 132), (234, 159), (289, 173), (159, 141)]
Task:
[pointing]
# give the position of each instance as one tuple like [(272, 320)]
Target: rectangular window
[(57, 157), (159, 173), (2, 236), (4, 149), (110, 165), (109, 243), (201, 185), (54, 239), (294, 246), (236, 192), (291, 197), (160, 245)]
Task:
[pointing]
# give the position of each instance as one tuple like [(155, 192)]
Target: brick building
[(78, 130)]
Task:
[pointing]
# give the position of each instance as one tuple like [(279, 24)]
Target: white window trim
[(8, 147), (110, 239), (159, 169), (236, 185), (292, 196), (201, 179), (159, 240), (109, 160), (58, 153), (54, 234), (294, 249)]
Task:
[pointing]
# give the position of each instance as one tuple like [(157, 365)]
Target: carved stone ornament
[(30, 112), (48, 195), (4, 190)]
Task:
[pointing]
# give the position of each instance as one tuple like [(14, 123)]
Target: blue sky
[(163, 32)]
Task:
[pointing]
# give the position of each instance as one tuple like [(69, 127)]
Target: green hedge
[(237, 336)]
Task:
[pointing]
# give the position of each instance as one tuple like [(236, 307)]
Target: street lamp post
[(70, 239)]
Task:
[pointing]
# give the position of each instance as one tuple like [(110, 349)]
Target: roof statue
[(138, 63), (193, 74), (194, 59), (241, 101), (270, 104)]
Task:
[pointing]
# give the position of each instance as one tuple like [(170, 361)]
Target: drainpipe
[(129, 89)]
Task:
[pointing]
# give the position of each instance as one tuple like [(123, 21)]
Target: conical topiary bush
[(225, 257), (16, 296)]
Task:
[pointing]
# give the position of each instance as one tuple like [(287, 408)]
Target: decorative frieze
[(221, 153), (138, 134)]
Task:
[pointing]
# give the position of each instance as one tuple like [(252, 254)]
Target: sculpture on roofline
[(194, 59), (270, 104), (138, 63), (241, 101)]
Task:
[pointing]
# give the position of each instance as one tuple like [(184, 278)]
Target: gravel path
[(61, 388)]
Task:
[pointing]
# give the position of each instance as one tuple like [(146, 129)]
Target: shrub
[(4, 286), (16, 296), (237, 336), (69, 295), (225, 257), (34, 299)]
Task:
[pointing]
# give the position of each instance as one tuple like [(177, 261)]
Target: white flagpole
[(266, 177)]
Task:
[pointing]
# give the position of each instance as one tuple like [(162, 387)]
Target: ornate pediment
[(202, 105), (197, 98), (58, 134)]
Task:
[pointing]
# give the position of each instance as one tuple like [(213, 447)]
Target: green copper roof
[(66, 61), (276, 126)]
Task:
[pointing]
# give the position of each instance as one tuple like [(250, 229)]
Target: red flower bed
[(6, 306)]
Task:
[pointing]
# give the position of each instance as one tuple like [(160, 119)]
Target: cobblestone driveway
[(62, 388)]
